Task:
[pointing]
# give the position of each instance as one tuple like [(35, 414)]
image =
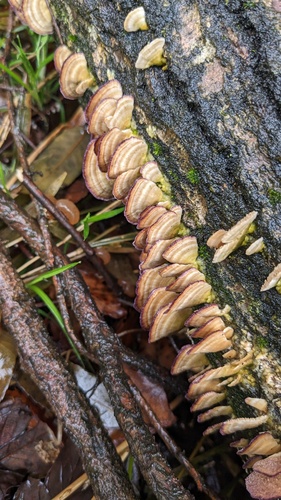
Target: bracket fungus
[(75, 77), (37, 16), (135, 20), (151, 55)]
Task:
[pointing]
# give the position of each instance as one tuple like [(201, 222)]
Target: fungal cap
[(61, 53), (272, 279), (143, 193), (75, 77), (96, 180), (140, 239), (262, 444), (184, 361), (148, 281), (135, 20), (175, 269), (97, 123), (255, 247), (123, 114), (270, 466), (151, 171), (211, 326), (258, 403), (215, 342), (194, 294), (150, 215), (198, 387), (151, 54), (109, 142), (218, 411), (37, 16), (166, 227), (110, 90), (157, 299), (240, 424), (207, 400), (200, 316), (166, 322), (154, 254), (185, 279), (123, 183), (183, 251), (129, 154), (240, 229), (215, 239)]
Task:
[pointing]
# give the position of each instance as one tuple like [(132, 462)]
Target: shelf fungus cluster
[(172, 293), (35, 13)]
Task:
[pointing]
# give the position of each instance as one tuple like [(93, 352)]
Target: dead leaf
[(8, 354), (264, 487), (26, 443), (154, 395)]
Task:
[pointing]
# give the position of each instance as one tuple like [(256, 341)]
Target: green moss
[(193, 176), (72, 38), (204, 252), (156, 149), (261, 342), (274, 196), (249, 5)]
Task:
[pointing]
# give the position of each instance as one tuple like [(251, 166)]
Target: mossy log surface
[(213, 118)]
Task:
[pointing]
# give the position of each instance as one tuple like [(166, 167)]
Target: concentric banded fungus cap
[(135, 20), (151, 54), (183, 251), (123, 183), (166, 322), (184, 361), (96, 180), (157, 299), (215, 342), (38, 17), (144, 193), (130, 154), (75, 77), (199, 317), (263, 444), (196, 293), (148, 281), (109, 142), (207, 400), (123, 114), (104, 109), (61, 53), (185, 279), (151, 171), (175, 269), (154, 255), (272, 279), (166, 227), (150, 215), (197, 387), (240, 424), (213, 325), (110, 90)]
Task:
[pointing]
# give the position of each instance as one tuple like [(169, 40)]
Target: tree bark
[(211, 121)]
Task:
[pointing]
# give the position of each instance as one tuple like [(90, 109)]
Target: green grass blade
[(96, 218), (15, 77), (50, 274)]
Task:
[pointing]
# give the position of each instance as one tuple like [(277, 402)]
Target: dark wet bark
[(215, 127)]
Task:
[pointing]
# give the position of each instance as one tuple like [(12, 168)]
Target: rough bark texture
[(213, 118)]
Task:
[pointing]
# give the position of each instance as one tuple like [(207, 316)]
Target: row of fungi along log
[(228, 189)]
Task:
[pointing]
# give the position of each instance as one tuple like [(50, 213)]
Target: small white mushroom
[(207, 400), (240, 424), (152, 54), (272, 279), (255, 247), (135, 20)]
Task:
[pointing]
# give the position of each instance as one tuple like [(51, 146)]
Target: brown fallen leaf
[(154, 395), (26, 443), (264, 483)]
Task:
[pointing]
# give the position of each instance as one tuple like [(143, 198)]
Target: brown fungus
[(96, 180), (37, 16), (75, 77)]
